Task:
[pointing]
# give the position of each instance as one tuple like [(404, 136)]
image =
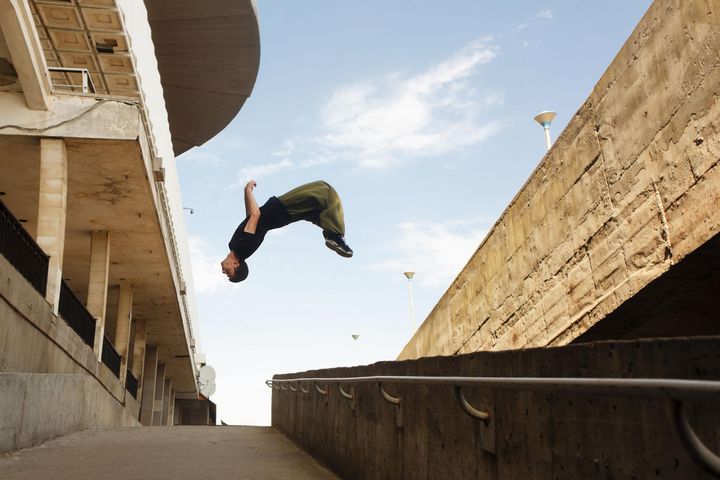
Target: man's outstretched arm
[(251, 208)]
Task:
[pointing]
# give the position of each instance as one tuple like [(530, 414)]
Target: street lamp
[(545, 119), (409, 276)]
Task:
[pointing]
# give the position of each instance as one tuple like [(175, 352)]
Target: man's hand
[(249, 186)]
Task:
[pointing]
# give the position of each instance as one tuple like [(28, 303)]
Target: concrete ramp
[(158, 453)]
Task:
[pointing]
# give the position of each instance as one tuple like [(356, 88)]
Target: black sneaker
[(337, 244)]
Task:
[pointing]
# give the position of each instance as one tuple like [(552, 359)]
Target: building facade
[(97, 98)]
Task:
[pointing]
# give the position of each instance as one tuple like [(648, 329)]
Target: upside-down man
[(316, 202)]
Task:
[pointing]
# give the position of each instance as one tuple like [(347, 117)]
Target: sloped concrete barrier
[(37, 407), (536, 434), (629, 189)]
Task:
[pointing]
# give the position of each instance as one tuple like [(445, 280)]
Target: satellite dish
[(206, 380)]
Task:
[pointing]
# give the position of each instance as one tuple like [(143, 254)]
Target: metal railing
[(676, 390), (19, 248), (131, 384), (76, 315), (86, 84), (110, 357)]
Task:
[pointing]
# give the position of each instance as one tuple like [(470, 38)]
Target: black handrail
[(131, 384), (110, 356), (76, 315), (19, 248)]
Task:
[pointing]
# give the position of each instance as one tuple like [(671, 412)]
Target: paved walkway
[(159, 453)]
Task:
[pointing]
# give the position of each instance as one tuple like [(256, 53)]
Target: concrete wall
[(37, 407), (537, 435), (628, 190), (51, 382)]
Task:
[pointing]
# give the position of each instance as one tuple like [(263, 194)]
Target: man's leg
[(319, 203), (332, 217)]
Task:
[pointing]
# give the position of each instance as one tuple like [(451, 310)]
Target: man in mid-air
[(316, 202)]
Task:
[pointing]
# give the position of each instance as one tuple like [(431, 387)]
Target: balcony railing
[(76, 315), (72, 79), (110, 356), (19, 248), (131, 384)]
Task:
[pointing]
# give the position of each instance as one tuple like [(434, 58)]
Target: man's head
[(235, 269)]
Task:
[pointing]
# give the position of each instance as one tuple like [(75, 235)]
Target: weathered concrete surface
[(537, 435), (628, 190), (51, 383), (38, 407), (159, 453)]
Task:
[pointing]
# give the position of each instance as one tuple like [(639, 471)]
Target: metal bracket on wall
[(486, 420), (350, 396), (697, 449), (395, 401), (322, 392)]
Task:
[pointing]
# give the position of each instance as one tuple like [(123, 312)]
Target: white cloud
[(522, 26), (544, 14), (382, 122), (436, 251), (207, 275), (257, 171)]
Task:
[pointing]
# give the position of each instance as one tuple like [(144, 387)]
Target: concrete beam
[(149, 376), (18, 28), (72, 117), (123, 328), (52, 212), (98, 284)]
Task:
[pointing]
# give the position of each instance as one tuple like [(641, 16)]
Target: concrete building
[(97, 98), (613, 238)]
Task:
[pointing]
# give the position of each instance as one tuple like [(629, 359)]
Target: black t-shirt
[(272, 215)]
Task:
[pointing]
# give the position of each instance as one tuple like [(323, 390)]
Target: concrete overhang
[(109, 188), (208, 55)]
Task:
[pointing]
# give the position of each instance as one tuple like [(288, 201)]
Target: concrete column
[(123, 328), (159, 394), (98, 284), (21, 38), (149, 376), (52, 212), (168, 394), (139, 352), (171, 409)]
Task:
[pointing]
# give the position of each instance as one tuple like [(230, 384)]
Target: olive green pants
[(316, 202)]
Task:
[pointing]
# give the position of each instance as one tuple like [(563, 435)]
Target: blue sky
[(419, 113)]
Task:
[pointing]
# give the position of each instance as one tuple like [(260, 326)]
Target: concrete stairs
[(158, 453)]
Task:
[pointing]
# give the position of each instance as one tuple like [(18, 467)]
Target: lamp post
[(545, 119), (409, 276)]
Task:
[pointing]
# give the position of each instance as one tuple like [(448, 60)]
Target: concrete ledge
[(72, 116), (538, 435), (37, 407)]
